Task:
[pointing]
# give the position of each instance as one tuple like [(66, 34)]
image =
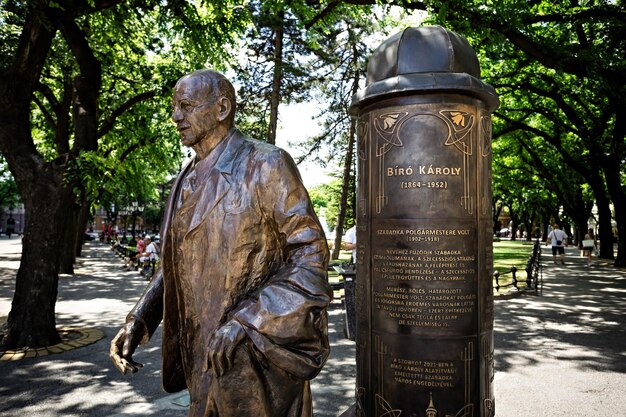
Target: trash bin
[(348, 272)]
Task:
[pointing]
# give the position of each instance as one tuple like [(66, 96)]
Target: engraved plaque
[(424, 292)]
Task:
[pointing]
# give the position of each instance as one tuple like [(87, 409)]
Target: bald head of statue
[(203, 109)]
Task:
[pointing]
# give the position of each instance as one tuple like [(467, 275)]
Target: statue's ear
[(224, 109)]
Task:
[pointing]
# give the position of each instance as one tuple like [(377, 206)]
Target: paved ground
[(559, 354), (564, 353)]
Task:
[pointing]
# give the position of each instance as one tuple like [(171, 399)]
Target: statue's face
[(195, 117)]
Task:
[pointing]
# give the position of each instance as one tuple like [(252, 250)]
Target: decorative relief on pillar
[(468, 409), (387, 125), (460, 124), (488, 361), (431, 411), (485, 123), (363, 130), (359, 393), (467, 356), (490, 408), (383, 408)]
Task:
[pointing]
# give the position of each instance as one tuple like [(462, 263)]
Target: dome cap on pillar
[(426, 59)]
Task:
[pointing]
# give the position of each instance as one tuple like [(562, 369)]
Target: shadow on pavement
[(579, 318), (562, 353), (83, 381)]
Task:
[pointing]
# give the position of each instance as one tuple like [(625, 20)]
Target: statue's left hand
[(222, 346)]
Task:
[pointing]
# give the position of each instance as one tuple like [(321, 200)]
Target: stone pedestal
[(424, 290)]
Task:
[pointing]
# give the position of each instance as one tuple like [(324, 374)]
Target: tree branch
[(47, 115), (90, 67), (605, 12), (109, 122), (321, 15)]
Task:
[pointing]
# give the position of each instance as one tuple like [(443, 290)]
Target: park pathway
[(562, 353)]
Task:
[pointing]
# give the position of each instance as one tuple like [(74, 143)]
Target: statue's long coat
[(240, 241)]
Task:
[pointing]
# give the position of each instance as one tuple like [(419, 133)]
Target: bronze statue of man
[(242, 287)]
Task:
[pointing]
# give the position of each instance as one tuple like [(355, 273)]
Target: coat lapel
[(171, 204), (216, 180)]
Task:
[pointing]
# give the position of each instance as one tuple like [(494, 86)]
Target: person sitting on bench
[(150, 254)]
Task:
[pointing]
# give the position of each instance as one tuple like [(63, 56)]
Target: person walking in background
[(589, 245), (349, 242), (558, 239), (10, 227)]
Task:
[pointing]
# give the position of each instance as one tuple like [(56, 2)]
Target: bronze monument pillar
[(424, 231)]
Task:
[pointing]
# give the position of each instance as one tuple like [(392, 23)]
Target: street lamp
[(135, 209), (124, 212)]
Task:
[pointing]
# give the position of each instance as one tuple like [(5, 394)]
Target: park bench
[(348, 272), (124, 251), (149, 268), (533, 273)]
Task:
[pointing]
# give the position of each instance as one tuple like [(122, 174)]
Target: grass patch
[(508, 254)]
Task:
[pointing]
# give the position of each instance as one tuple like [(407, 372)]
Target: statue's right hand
[(123, 346)]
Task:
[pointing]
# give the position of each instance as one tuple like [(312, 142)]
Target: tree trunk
[(347, 169), (580, 226), (133, 229), (73, 233), (497, 210), (515, 221), (83, 219), (31, 321), (620, 261), (345, 190), (605, 229), (612, 174), (67, 248), (575, 206), (276, 81), (86, 88), (545, 221), (529, 230)]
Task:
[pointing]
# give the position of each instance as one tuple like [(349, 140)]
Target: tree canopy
[(84, 92), (85, 105), (559, 71)]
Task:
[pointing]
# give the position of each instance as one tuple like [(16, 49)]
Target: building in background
[(12, 220)]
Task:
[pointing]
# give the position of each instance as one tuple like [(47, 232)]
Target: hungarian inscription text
[(424, 276), (429, 374)]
